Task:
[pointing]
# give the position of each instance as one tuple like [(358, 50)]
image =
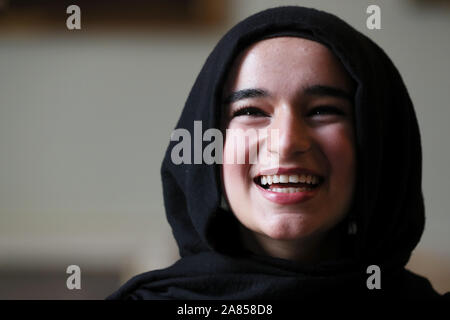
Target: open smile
[(288, 188)]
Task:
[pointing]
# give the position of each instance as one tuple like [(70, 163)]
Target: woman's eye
[(249, 111), (326, 110)]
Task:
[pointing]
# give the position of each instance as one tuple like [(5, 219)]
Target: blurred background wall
[(85, 118)]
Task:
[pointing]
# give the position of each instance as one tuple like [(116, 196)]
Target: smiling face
[(298, 87)]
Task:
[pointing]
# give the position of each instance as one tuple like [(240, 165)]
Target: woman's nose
[(293, 136)]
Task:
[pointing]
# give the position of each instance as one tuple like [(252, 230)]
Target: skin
[(309, 137)]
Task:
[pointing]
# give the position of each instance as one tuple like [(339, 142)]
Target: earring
[(352, 228), (224, 204)]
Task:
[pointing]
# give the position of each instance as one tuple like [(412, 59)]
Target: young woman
[(336, 208)]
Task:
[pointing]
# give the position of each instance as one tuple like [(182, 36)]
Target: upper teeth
[(292, 178)]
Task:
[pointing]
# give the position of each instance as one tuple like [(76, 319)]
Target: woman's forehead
[(285, 61)]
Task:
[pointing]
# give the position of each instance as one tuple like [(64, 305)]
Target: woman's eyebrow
[(316, 90), (321, 90), (245, 94)]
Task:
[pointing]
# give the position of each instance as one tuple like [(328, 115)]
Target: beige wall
[(83, 121)]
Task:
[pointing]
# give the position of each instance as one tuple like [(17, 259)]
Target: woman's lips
[(288, 198)]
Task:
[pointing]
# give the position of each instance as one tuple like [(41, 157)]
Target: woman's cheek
[(242, 144), (338, 145), (338, 142)]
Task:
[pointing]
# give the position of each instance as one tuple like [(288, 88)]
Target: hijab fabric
[(388, 207)]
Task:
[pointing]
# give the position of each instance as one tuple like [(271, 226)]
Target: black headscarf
[(388, 206)]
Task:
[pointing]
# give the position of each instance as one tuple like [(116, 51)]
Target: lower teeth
[(290, 190)]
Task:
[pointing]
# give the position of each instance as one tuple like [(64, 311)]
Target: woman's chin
[(290, 229)]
